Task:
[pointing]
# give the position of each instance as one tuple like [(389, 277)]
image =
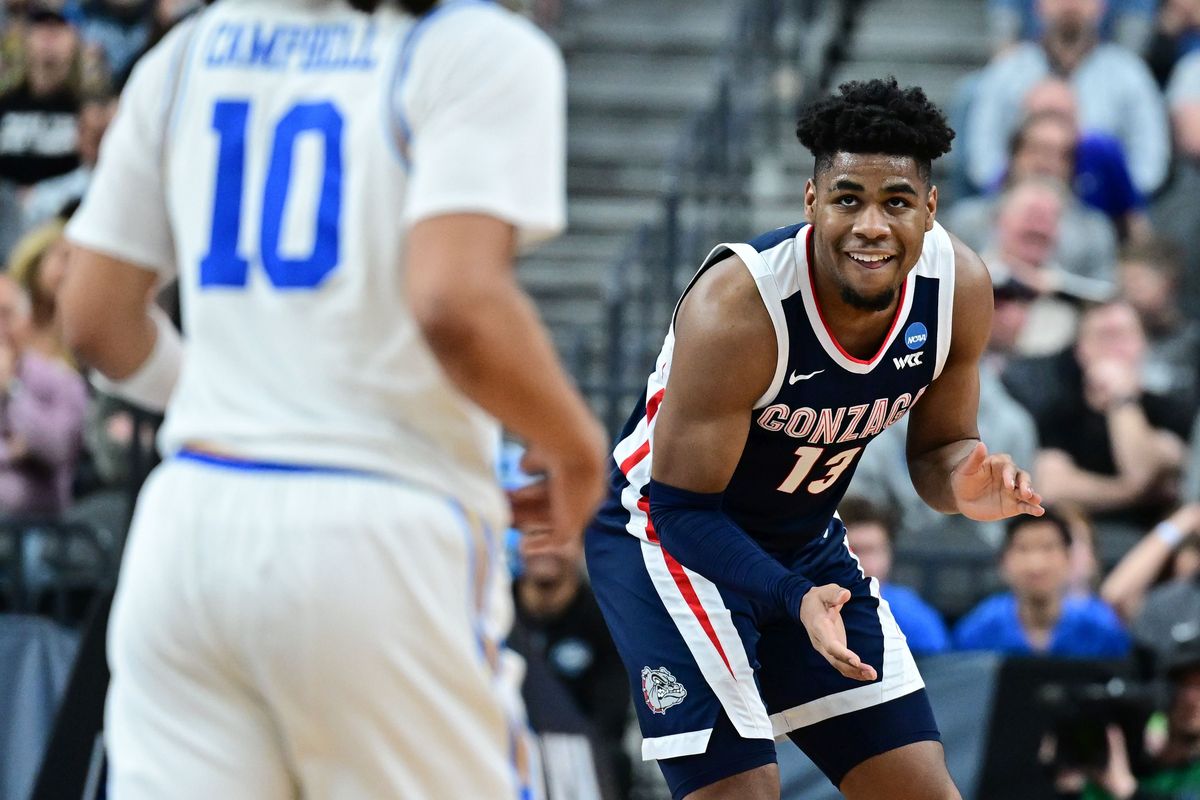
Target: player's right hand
[(821, 616), (563, 502)]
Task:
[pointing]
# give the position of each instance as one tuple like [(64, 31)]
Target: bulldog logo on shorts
[(661, 690)]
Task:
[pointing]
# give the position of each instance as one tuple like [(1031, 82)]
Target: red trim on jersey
[(887, 340), (652, 405), (684, 584), (635, 458), (643, 450)]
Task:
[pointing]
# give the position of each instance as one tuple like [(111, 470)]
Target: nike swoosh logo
[(794, 377)]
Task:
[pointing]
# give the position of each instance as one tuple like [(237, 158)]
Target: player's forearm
[(695, 531), (110, 325), (491, 344), (930, 473)]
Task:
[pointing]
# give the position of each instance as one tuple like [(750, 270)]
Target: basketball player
[(312, 603), (717, 559)]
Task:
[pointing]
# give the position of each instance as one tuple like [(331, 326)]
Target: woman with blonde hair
[(38, 263)]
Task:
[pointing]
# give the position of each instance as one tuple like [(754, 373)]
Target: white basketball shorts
[(280, 633)]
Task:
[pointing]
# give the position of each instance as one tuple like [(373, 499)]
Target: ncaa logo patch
[(661, 689), (916, 335)]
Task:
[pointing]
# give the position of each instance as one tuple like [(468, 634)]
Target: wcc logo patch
[(661, 689)]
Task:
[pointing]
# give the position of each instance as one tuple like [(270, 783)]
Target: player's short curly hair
[(875, 116)]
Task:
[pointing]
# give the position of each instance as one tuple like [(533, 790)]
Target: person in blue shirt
[(870, 532), (1038, 616)]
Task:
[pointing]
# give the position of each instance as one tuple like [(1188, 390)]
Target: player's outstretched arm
[(724, 361), (950, 468), (486, 335)]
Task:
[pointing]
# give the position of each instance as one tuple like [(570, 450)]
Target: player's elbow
[(451, 324)]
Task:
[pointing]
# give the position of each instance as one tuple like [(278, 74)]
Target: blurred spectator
[(1113, 86), (559, 619), (48, 198), (1043, 147), (1083, 574), (1129, 22), (1011, 301), (118, 29), (1171, 768), (1109, 446), (1037, 616), (1099, 171), (882, 474), (1028, 222), (870, 535), (1176, 213), (1170, 613), (42, 406), (38, 128), (1176, 34), (1191, 472), (1149, 279), (39, 263), (1183, 96), (1169, 552)]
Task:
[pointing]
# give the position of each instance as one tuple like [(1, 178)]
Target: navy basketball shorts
[(716, 677)]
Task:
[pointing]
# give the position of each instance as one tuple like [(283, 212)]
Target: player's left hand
[(989, 487)]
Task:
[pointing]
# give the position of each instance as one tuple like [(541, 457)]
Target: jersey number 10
[(222, 265)]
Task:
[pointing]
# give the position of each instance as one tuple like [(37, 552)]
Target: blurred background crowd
[(1075, 173)]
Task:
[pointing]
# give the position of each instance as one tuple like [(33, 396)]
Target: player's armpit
[(724, 360)]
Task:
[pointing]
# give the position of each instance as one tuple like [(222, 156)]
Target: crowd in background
[(1075, 174)]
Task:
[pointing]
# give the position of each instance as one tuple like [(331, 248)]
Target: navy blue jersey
[(822, 407)]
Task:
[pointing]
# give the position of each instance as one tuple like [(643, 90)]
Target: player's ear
[(810, 198), (931, 207)]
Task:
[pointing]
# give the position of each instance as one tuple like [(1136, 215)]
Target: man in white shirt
[(312, 603)]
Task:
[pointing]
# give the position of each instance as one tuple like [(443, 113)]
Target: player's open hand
[(988, 487), (821, 615)]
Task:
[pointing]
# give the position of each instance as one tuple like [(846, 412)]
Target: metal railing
[(706, 196)]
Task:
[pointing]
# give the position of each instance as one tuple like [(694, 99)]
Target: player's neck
[(860, 332)]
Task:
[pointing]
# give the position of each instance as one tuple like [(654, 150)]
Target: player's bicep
[(723, 362), (453, 262), (948, 410)]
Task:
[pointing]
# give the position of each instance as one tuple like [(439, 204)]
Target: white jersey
[(272, 155)]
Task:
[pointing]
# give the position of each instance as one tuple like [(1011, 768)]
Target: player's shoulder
[(725, 288)]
